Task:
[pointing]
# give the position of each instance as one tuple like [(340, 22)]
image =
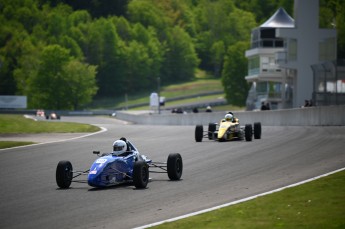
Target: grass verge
[(14, 124), (318, 204), (17, 124), (9, 144)]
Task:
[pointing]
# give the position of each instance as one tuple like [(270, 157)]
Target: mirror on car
[(95, 152)]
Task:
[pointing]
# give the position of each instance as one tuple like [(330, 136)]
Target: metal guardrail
[(311, 116)]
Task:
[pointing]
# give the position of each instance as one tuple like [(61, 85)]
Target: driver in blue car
[(119, 147), (122, 147)]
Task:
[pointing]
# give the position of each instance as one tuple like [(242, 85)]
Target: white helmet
[(119, 147), (229, 117)]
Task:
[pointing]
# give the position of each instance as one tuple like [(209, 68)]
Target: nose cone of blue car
[(108, 170)]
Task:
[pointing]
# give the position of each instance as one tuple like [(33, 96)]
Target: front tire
[(248, 132), (64, 174), (199, 132), (174, 166), (140, 174), (257, 130), (211, 129)]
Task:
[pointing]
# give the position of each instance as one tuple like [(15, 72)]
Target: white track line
[(237, 201), (63, 140)]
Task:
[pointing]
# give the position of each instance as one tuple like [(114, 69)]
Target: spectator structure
[(282, 53)]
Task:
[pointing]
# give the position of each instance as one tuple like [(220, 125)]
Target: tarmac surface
[(214, 173)]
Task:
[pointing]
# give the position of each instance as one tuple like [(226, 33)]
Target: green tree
[(242, 23), (147, 14), (138, 72), (97, 8), (11, 40), (123, 28), (180, 60), (235, 68), (25, 12), (58, 83), (16, 19), (152, 53), (55, 21), (80, 83), (46, 88), (210, 18), (178, 13), (156, 53), (340, 20), (69, 43), (263, 9), (80, 25), (217, 52), (111, 65), (27, 65), (332, 15)]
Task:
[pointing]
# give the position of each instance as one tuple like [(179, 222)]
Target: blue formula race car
[(124, 165)]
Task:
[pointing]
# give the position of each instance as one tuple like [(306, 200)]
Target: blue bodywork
[(111, 169), (119, 167)]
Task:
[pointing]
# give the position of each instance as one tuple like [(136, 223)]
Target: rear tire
[(64, 174), (248, 132), (257, 130), (211, 129), (199, 132), (174, 166), (140, 174)]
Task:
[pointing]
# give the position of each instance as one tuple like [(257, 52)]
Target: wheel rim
[(68, 173), (178, 165), (144, 174)]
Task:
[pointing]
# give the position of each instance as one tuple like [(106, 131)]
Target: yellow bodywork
[(224, 126)]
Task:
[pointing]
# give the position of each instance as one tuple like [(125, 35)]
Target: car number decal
[(101, 161)]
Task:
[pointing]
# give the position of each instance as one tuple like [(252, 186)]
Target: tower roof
[(280, 19)]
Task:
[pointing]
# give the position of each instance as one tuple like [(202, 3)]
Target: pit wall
[(309, 116)]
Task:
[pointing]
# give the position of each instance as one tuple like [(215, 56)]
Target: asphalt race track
[(214, 173)]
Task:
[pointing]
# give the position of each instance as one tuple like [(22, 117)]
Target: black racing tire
[(248, 132), (257, 130), (140, 174), (174, 166), (211, 129), (199, 133), (64, 174)]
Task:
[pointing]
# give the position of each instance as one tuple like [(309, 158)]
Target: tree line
[(62, 53)]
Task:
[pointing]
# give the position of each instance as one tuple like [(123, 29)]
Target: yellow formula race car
[(228, 131)]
